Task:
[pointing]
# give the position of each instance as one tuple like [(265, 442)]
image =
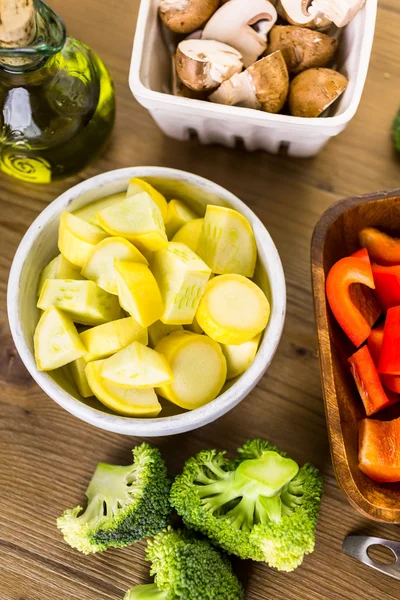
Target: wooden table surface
[(47, 455)]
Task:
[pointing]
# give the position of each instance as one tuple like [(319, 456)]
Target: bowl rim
[(157, 426), (343, 474)]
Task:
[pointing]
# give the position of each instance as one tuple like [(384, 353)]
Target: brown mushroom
[(185, 16), (297, 12), (312, 91), (302, 48), (205, 64), (264, 86)]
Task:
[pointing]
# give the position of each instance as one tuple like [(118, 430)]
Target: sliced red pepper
[(353, 310), (379, 449), (387, 285), (389, 360), (392, 382), (368, 383), (362, 253), (382, 248)]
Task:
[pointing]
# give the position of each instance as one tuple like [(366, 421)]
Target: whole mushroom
[(243, 24), (301, 48), (312, 91), (185, 16), (264, 85), (204, 64)]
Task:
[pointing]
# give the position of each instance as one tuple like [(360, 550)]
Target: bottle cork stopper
[(17, 23)]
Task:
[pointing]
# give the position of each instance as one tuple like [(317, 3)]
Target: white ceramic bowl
[(39, 246)]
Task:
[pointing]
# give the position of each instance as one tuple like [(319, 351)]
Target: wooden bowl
[(336, 236)]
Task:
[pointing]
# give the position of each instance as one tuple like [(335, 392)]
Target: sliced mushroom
[(264, 85), (312, 91), (243, 24), (205, 64), (179, 89), (302, 48), (297, 12), (341, 12), (184, 16)]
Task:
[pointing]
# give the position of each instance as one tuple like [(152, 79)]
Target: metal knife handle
[(357, 547)]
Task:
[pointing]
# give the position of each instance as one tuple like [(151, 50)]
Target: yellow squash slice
[(239, 358), (137, 219), (83, 301), (177, 215), (59, 268), (77, 369), (189, 234), (233, 309), (88, 213), (56, 340), (198, 367), (158, 330), (227, 242), (130, 402), (136, 186), (181, 276), (76, 238), (138, 292), (99, 266), (137, 366), (104, 340)]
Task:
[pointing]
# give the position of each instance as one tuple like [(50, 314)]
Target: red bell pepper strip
[(382, 248), (362, 297), (368, 383), (387, 285), (362, 253), (353, 310), (389, 360), (392, 382), (379, 449)]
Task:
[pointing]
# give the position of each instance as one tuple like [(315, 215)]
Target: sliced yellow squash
[(158, 330), (84, 301), (239, 358), (137, 219), (88, 213), (104, 340), (130, 402), (181, 276), (138, 292), (76, 238), (77, 368), (198, 367), (137, 366), (99, 266), (136, 186), (56, 340), (177, 215), (227, 242), (59, 268), (189, 234), (233, 309)]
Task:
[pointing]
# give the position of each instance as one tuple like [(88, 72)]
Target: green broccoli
[(125, 504), (396, 132), (260, 506), (185, 567)]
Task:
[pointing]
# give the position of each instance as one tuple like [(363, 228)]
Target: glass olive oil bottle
[(56, 96)]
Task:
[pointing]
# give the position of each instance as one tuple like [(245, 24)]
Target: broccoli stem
[(146, 592)]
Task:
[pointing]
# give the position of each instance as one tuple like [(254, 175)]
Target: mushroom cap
[(185, 16), (204, 64), (302, 48), (297, 12), (312, 91), (244, 24), (270, 80)]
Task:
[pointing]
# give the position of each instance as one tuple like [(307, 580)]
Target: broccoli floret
[(185, 567), (396, 132), (125, 504), (259, 506)]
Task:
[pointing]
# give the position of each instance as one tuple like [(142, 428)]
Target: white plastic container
[(179, 118)]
